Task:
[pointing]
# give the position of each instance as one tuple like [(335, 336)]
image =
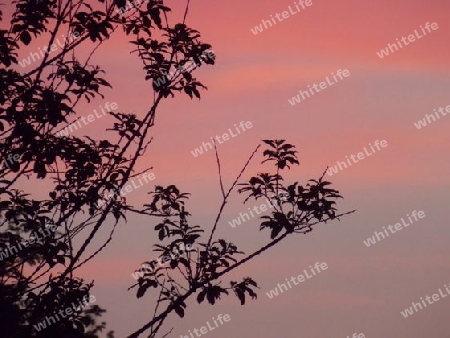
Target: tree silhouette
[(46, 237), (200, 271)]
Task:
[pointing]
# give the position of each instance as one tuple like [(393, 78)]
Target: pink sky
[(364, 289)]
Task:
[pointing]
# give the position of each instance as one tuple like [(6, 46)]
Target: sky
[(364, 288)]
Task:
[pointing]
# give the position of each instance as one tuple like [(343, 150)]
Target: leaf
[(187, 76), (141, 291), (154, 14), (269, 142), (184, 262), (188, 90), (161, 234), (251, 282), (25, 37), (39, 168), (60, 259), (146, 22), (201, 296), (143, 288), (120, 3), (173, 264), (210, 296), (240, 294), (275, 231), (251, 293), (196, 92), (180, 311)]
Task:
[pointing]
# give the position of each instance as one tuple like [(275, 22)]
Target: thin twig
[(168, 333), (218, 166), (186, 11), (228, 194)]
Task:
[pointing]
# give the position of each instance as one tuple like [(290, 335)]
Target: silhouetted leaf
[(25, 37)]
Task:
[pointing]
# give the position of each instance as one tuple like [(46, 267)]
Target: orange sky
[(364, 289)]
